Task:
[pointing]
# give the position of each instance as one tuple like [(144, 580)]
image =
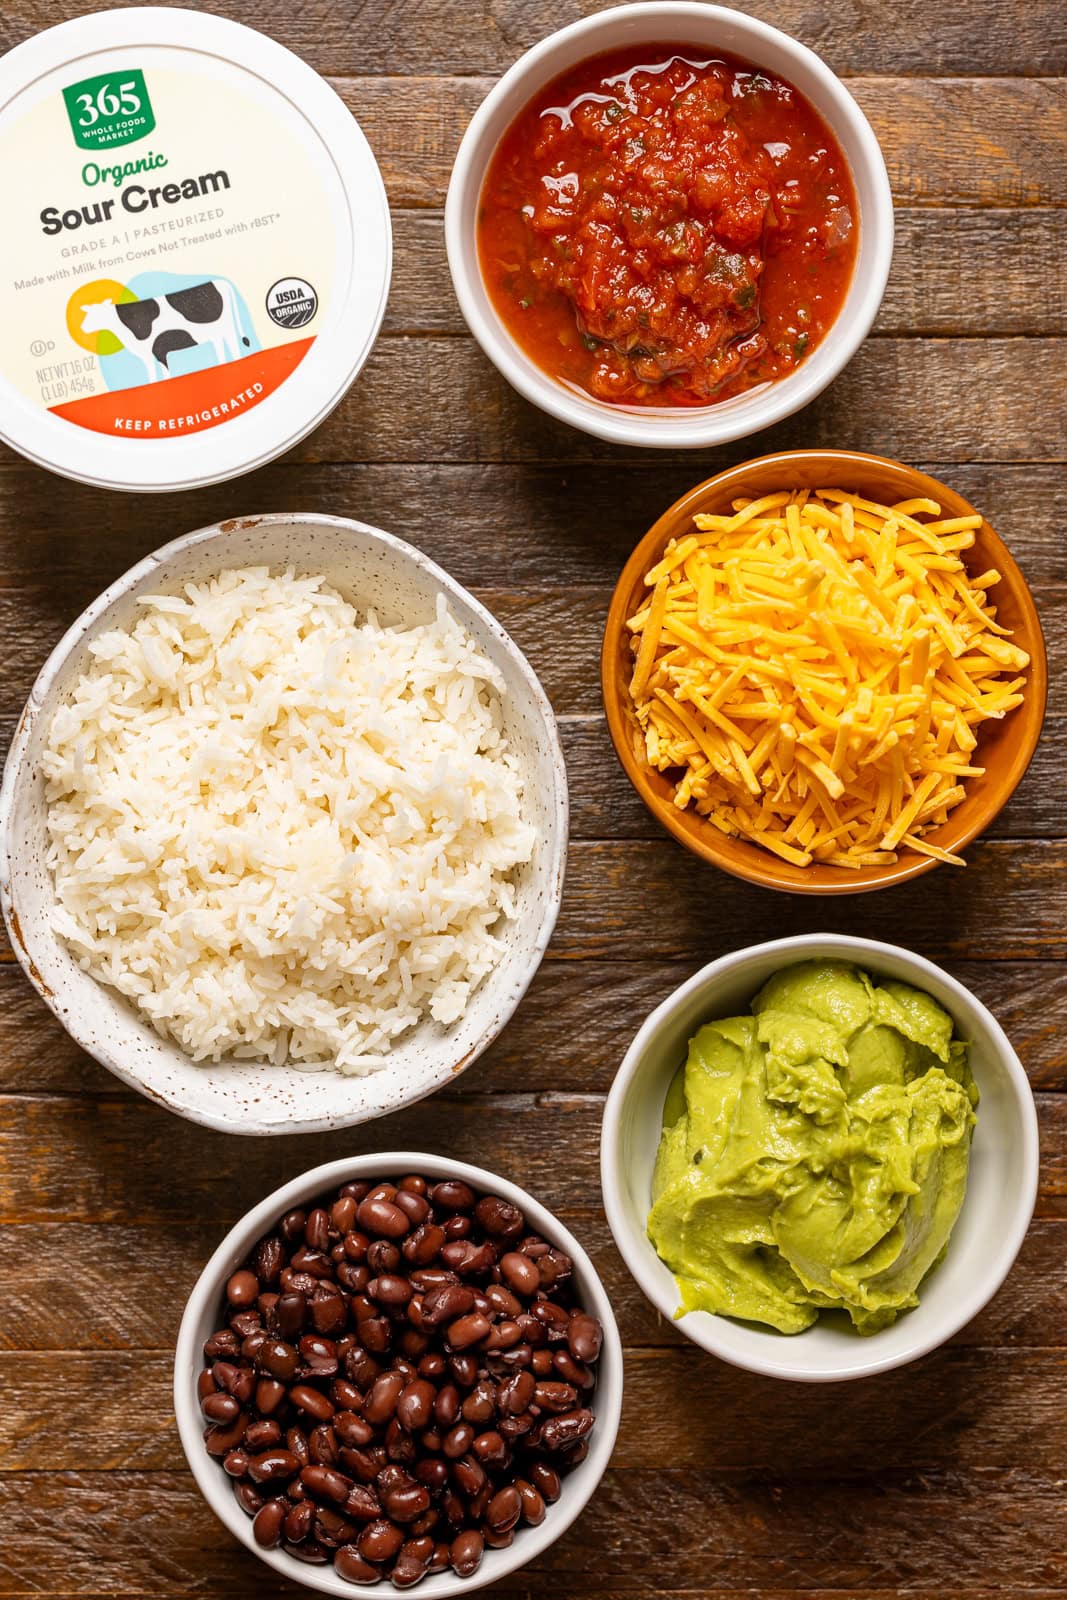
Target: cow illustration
[(207, 313)]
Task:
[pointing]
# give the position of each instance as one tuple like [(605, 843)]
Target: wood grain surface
[(948, 1477)]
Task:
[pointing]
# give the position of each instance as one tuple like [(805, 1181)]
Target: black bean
[(279, 1359), (332, 1529), (310, 1551), (468, 1475), (555, 1397), (345, 1395), (273, 1466), (350, 1565), (247, 1496), (410, 1569), (468, 1330), (362, 1504), (415, 1406), (572, 1371), (343, 1214), (466, 1552), (325, 1484), (499, 1217), (480, 1404), (317, 1230), (313, 1401), (416, 1206), (464, 1368), (458, 1441), (267, 1259), (382, 1257), (328, 1311), (352, 1429), (406, 1502), (515, 1393), (222, 1346), (452, 1195), (503, 1301), (291, 1226), (379, 1541), (533, 1505), (261, 1435), (558, 1433), (504, 1509), (323, 1449), (382, 1400), (382, 1219), (520, 1273), (376, 1334), (491, 1449), (390, 1289), (267, 1526), (219, 1441), (584, 1337), (421, 1247), (242, 1288), (445, 1303), (299, 1521), (219, 1407)]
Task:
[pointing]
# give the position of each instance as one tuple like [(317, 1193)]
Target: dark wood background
[(948, 1477)]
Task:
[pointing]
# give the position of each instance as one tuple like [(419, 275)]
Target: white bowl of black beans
[(398, 1369)]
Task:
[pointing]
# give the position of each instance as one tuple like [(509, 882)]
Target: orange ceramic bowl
[(1004, 748)]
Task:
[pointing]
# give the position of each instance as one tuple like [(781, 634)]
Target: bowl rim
[(703, 1332), (17, 774), (188, 1360), (769, 873), (726, 421)]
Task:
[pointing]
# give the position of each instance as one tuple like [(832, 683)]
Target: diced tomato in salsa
[(667, 230)]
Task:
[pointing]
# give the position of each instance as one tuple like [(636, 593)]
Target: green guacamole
[(814, 1154)]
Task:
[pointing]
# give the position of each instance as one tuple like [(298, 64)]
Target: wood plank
[(646, 1531), (1009, 291), (69, 1160), (69, 1301), (503, 526), (564, 1037), (885, 401), (990, 1408), (364, 36), (610, 887), (377, 423)]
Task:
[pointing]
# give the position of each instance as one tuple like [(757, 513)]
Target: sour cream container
[(196, 249)]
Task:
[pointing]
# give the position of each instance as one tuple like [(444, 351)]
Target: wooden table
[(945, 1478)]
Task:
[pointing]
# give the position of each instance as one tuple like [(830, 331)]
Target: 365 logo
[(111, 109)]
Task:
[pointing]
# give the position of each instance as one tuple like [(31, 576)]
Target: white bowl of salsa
[(669, 225)]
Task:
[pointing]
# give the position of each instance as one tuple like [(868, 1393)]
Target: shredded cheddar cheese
[(816, 667)]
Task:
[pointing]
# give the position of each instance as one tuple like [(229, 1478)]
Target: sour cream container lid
[(197, 249)]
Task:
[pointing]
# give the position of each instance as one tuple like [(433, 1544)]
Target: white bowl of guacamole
[(820, 1156)]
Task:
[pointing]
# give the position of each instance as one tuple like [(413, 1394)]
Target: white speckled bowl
[(370, 568), (201, 1318)]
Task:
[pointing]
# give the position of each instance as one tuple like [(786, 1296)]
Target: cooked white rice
[(283, 832)]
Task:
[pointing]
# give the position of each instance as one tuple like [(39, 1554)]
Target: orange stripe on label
[(190, 403)]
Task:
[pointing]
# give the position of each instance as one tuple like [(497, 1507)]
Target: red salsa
[(667, 229)]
